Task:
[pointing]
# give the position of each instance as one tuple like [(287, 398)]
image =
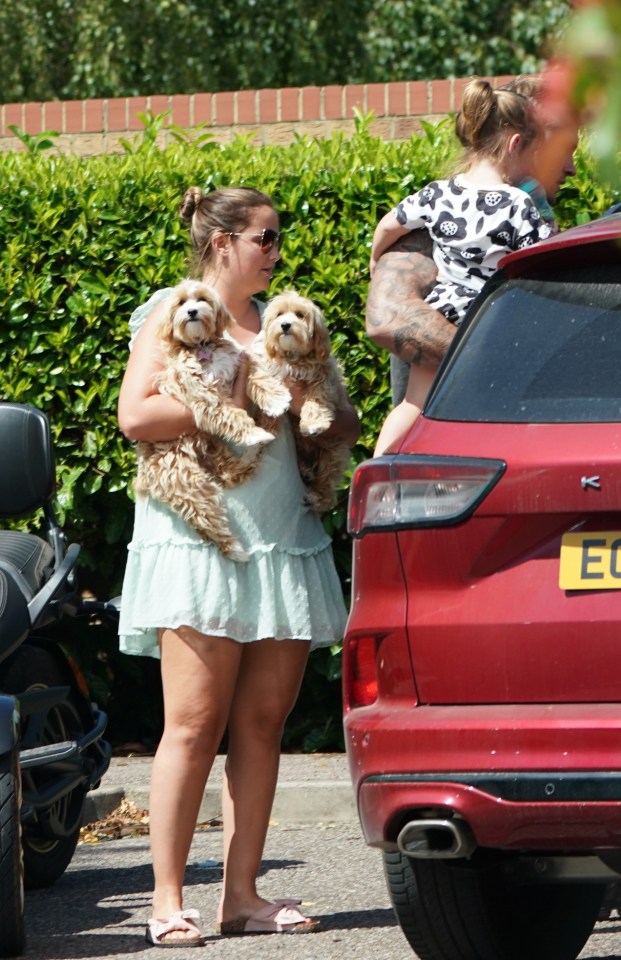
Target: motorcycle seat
[(27, 560)]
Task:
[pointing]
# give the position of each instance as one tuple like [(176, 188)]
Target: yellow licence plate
[(591, 561)]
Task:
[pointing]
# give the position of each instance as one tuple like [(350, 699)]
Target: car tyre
[(12, 938), (475, 910)]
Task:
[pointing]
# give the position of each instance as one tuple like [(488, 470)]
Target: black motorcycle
[(52, 750)]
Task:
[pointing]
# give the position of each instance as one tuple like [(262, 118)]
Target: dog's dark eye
[(300, 314), (182, 302), (201, 299)]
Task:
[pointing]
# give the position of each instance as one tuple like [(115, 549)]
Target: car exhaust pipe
[(436, 840)]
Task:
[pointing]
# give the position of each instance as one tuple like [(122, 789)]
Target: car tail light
[(362, 652), (406, 491)]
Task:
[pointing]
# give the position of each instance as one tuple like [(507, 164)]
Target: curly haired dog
[(200, 366), (295, 343)]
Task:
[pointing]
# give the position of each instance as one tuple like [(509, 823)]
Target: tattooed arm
[(397, 318)]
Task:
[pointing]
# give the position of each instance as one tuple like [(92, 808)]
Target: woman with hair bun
[(474, 218), (233, 638)]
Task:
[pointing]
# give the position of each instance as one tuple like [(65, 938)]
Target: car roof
[(598, 241)]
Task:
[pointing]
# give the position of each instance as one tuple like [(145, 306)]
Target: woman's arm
[(346, 426), (145, 414)]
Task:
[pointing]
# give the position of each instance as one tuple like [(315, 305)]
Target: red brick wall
[(96, 126)]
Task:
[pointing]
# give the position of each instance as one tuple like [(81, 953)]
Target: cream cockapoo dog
[(295, 344), (200, 366)]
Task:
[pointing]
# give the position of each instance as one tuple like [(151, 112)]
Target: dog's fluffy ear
[(223, 318), (321, 338), (270, 350), (165, 328), (269, 317)]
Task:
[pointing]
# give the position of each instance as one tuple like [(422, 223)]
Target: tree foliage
[(78, 49), (409, 40)]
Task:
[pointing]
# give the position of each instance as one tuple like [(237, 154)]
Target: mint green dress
[(288, 589)]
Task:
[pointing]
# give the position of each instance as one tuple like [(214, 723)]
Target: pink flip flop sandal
[(280, 917), (183, 922)]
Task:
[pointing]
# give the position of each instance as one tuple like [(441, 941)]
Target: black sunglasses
[(266, 240)]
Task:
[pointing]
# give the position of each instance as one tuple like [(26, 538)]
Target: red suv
[(482, 659)]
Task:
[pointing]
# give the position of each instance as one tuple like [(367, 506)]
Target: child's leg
[(396, 425), (404, 415)]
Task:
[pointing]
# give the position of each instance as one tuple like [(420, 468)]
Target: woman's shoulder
[(141, 313)]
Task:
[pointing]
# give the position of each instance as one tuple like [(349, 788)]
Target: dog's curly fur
[(295, 343), (188, 473)]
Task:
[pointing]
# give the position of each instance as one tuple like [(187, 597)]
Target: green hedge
[(83, 242)]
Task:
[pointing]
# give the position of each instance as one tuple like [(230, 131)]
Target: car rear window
[(539, 349)]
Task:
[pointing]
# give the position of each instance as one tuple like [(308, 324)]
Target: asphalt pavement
[(314, 851)]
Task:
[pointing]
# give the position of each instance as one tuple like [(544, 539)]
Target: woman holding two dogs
[(233, 637)]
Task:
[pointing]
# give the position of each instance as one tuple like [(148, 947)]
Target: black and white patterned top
[(472, 228)]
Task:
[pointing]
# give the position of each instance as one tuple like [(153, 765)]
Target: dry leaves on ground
[(126, 820)]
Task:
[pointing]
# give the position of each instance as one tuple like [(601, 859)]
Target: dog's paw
[(320, 501), (257, 437), (278, 404), (314, 502), (312, 428), (236, 552)]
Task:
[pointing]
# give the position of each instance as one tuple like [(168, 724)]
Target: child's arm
[(387, 232)]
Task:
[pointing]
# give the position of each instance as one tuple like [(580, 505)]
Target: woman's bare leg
[(268, 683), (199, 674), (395, 426), (405, 414)]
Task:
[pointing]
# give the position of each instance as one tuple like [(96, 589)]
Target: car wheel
[(12, 938), (474, 910), (49, 840)]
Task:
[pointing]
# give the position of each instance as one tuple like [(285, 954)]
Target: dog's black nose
[(285, 327), (192, 314)]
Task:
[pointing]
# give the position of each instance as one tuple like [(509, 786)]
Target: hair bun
[(191, 201)]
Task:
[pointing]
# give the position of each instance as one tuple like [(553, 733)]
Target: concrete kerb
[(312, 788)]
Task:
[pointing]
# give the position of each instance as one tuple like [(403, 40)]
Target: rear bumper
[(527, 777)]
